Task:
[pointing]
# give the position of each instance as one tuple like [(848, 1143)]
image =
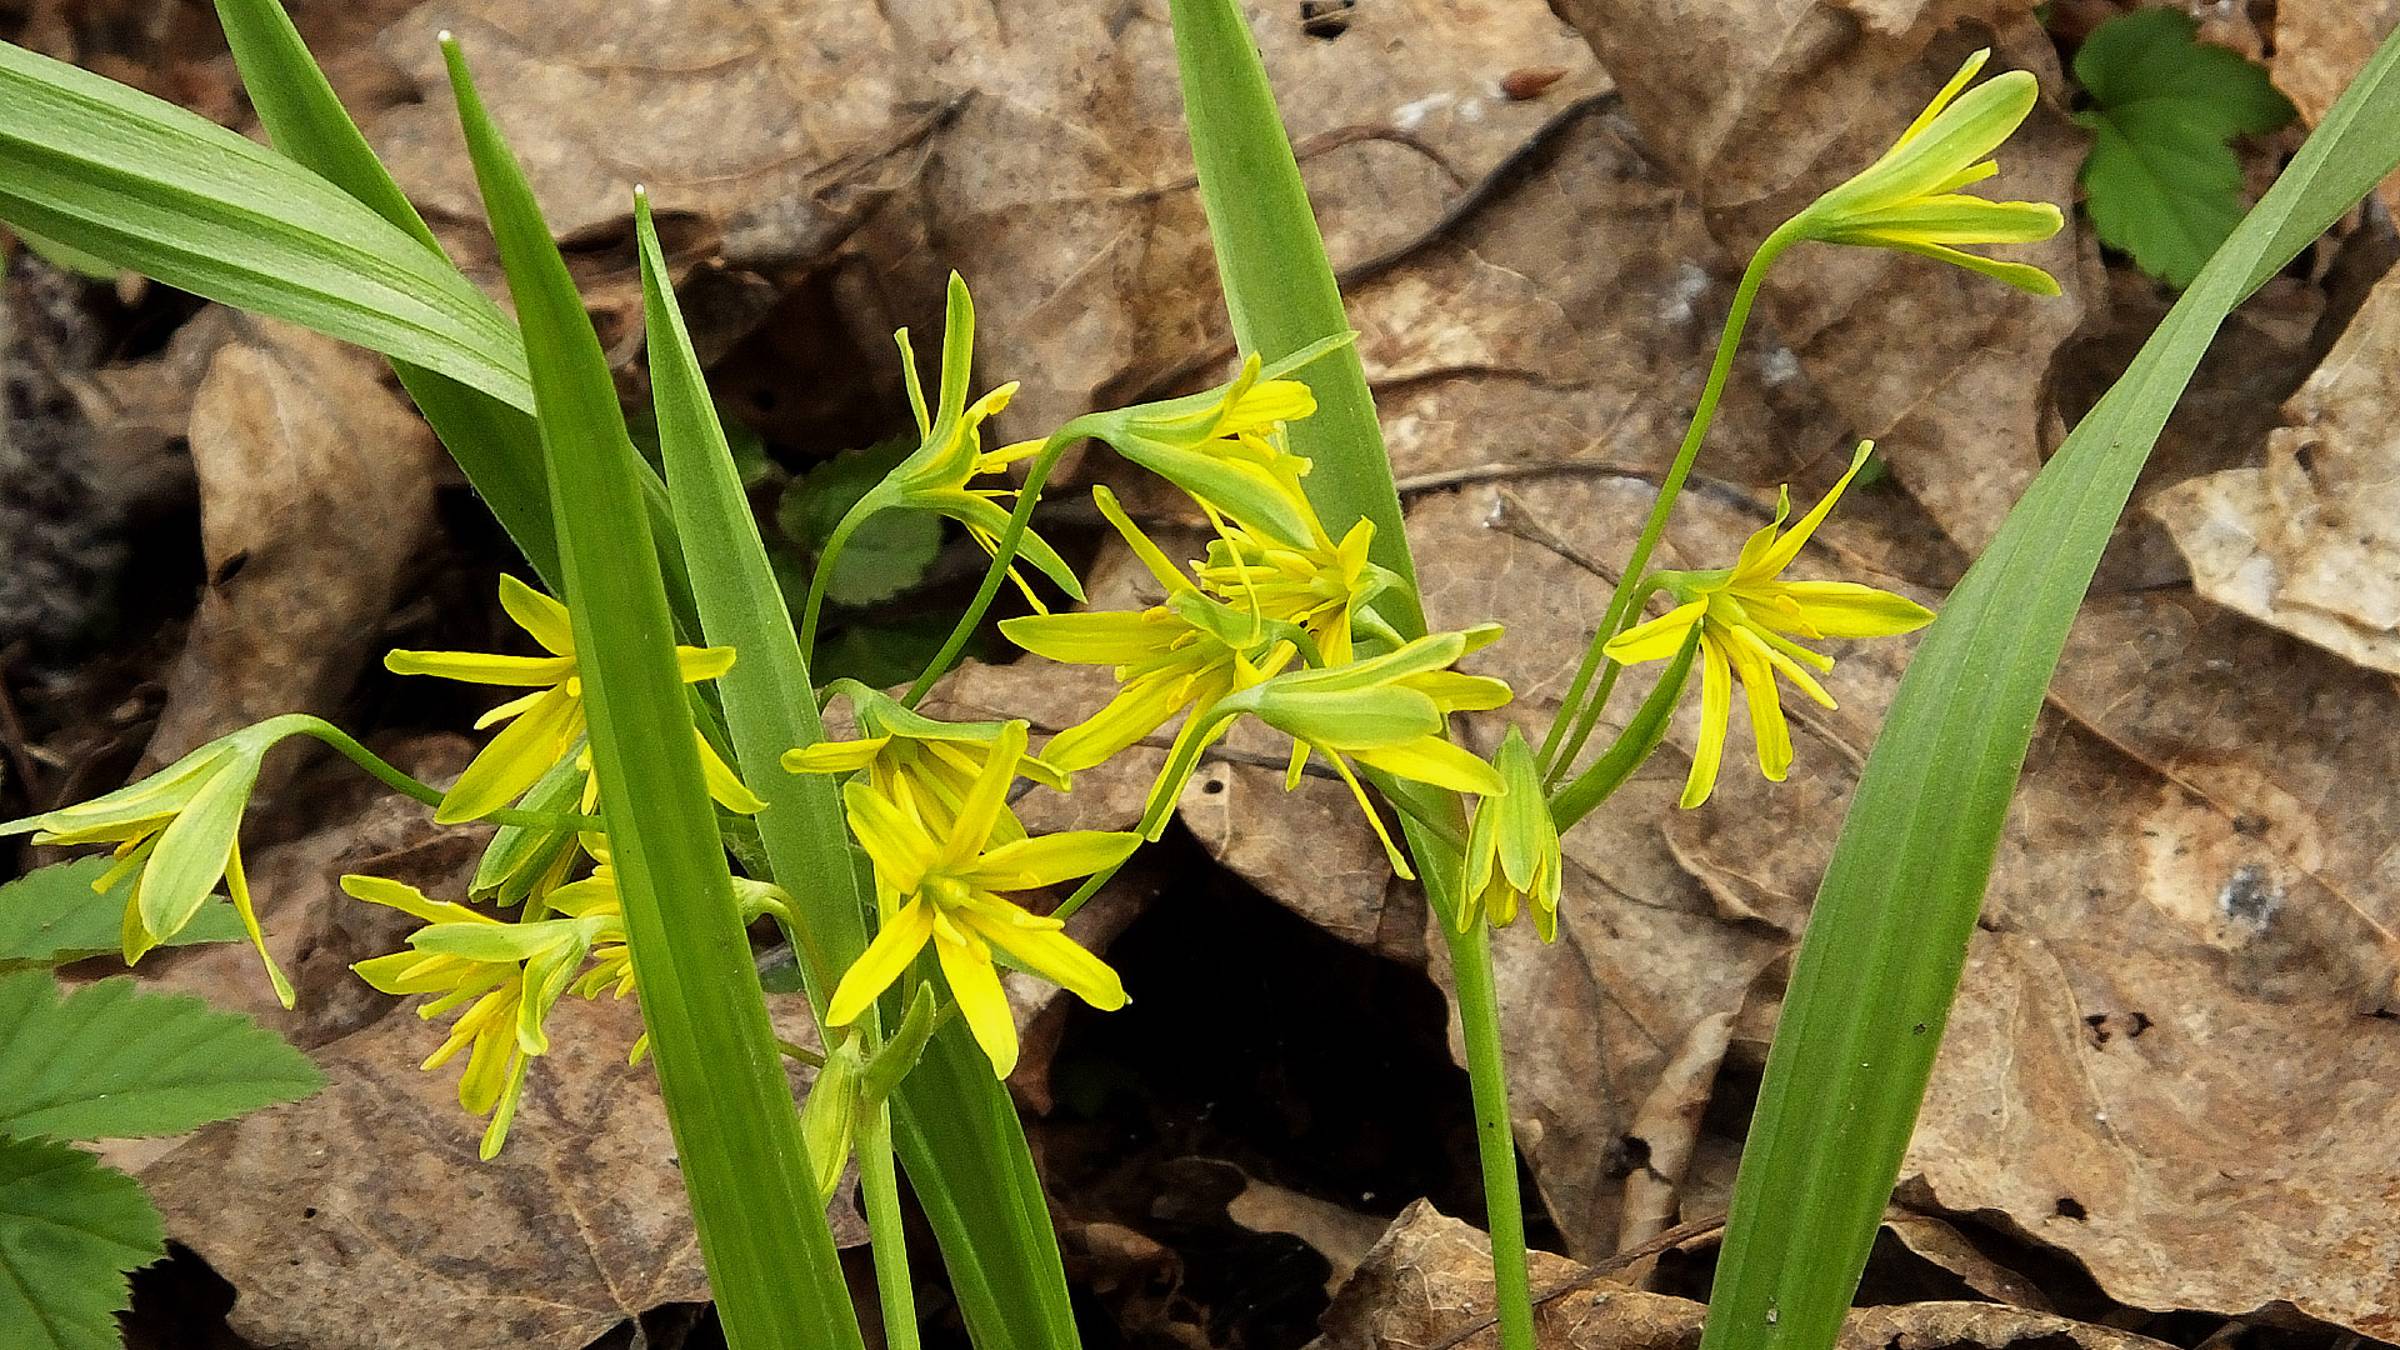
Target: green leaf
[(494, 442), (1879, 966), (52, 915), (770, 1257), (954, 1126), (885, 556), (70, 1229), (113, 1061), (158, 190), (1282, 296), (2162, 183), (1279, 284)]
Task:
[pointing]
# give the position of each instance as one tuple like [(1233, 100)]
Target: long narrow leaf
[(153, 188), (495, 444), (973, 1175), (1279, 285), (770, 1257), (1879, 967)]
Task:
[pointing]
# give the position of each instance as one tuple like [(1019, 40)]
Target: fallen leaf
[(1429, 1280), (2307, 542), (2320, 45), (361, 1217), (316, 492)]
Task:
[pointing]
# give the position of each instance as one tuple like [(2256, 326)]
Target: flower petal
[(1055, 957), (1657, 639), (1716, 711), (896, 945), (1787, 546), (1430, 759), (538, 614), (1846, 609), (481, 667), (834, 756), (1767, 725), (1096, 638), (1046, 860), (515, 759), (981, 1001)]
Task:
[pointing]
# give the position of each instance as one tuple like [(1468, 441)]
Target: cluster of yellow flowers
[(1277, 621)]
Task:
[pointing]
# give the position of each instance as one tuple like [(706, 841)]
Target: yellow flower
[(1225, 448), (1747, 615), (1388, 712), (950, 455), (1909, 199), (596, 903), (1320, 589), (947, 887), (1173, 659), (939, 761), (508, 976), (178, 835), (544, 726), (1512, 848)]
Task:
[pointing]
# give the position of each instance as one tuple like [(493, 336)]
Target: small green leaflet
[(69, 1230), (52, 915), (113, 1061), (889, 554), (2162, 182)]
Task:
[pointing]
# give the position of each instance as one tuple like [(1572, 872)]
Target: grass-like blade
[(1879, 967), (976, 1181), (771, 1262), (495, 444), (158, 190), (1279, 285), (1282, 295)]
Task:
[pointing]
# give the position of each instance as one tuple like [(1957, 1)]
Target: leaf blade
[(728, 1102), (1881, 959), (114, 1061), (70, 1229), (52, 915), (154, 188)]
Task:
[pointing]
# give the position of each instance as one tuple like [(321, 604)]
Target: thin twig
[(1592, 1274)]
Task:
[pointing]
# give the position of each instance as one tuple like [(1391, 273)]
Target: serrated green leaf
[(888, 554), (114, 1061), (52, 915), (70, 1229), (2162, 183)]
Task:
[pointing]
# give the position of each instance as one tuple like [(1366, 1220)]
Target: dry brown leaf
[(1759, 107), (775, 125), (1430, 1279), (2320, 45), (2307, 543), (1063, 187), (316, 498), (360, 1217)]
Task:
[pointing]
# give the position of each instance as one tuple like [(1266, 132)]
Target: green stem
[(879, 1181), (1575, 720), (1479, 1024), (851, 519), (1004, 555), (384, 772)]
